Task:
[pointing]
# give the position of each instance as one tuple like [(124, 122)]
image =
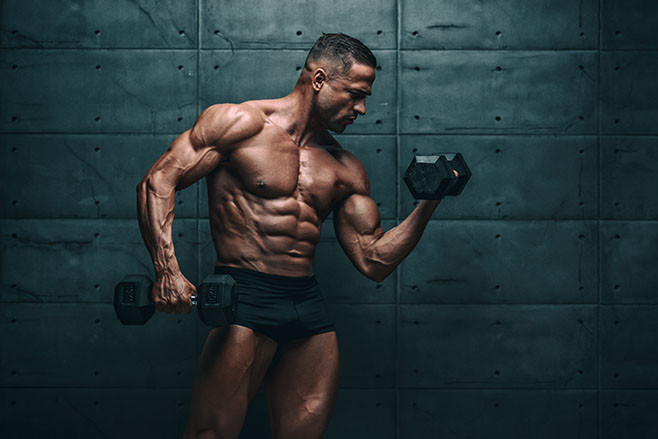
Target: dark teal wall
[(529, 308)]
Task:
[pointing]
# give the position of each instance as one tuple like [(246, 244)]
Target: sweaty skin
[(273, 173)]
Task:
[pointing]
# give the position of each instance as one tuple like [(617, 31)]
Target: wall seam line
[(398, 95)]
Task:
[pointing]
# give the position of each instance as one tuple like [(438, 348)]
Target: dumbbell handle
[(192, 299), (217, 299)]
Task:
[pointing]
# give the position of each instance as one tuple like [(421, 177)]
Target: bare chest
[(271, 165)]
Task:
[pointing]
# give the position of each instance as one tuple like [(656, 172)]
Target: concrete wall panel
[(628, 93), (290, 24), (629, 24), (373, 326), (629, 251), (92, 24), (137, 91), (93, 413), (498, 92), (628, 347), (81, 176), (85, 345), (498, 414), (502, 262), (513, 24), (628, 413), (550, 347), (629, 177)]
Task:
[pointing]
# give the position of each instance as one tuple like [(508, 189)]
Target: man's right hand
[(172, 293)]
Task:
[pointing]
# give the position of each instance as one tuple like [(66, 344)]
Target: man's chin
[(338, 128)]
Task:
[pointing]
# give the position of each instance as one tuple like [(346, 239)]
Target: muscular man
[(274, 173)]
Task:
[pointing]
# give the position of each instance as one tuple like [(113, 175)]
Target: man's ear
[(319, 79)]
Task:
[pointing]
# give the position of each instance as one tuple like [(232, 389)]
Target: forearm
[(155, 213), (386, 251)]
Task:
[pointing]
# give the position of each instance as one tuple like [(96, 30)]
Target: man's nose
[(360, 107)]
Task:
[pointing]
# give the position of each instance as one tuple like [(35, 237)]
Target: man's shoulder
[(228, 123), (345, 157), (356, 175), (245, 114)]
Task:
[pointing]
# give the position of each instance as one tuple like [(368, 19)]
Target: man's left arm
[(374, 252)]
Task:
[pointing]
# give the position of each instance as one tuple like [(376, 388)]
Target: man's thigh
[(302, 385), (232, 365)]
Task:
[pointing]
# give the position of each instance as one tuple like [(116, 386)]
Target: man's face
[(343, 98)]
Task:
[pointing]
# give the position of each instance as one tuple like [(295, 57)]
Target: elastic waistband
[(244, 275)]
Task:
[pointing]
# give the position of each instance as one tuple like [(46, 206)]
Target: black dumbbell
[(431, 177), (217, 304)]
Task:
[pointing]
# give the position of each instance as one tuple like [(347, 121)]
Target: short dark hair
[(342, 51)]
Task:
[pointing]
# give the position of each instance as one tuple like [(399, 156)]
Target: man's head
[(338, 52), (341, 70)]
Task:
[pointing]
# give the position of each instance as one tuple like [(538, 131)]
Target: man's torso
[(269, 196)]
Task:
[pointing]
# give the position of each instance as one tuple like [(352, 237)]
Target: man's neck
[(296, 116)]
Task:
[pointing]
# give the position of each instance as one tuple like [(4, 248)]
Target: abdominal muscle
[(270, 235)]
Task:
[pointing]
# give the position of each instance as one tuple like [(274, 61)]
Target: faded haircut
[(341, 51)]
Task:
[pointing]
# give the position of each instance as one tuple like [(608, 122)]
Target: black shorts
[(281, 307)]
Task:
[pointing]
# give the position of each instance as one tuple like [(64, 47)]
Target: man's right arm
[(193, 155), (373, 251)]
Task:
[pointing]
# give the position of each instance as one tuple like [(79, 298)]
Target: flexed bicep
[(357, 224), (375, 252)]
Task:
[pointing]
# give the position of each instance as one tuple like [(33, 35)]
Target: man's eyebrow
[(359, 90)]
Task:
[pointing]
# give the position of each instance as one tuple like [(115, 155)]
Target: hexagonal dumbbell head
[(429, 177), (217, 300), (132, 299)]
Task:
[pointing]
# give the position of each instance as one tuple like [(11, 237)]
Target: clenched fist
[(172, 293)]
